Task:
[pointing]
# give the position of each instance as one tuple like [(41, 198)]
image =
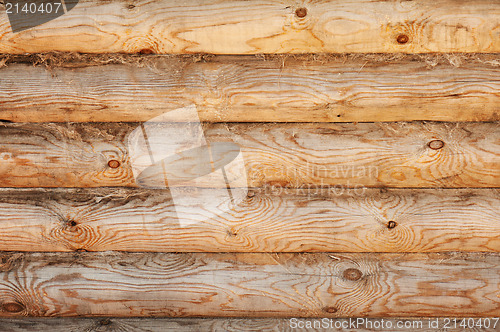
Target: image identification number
[(33, 8)]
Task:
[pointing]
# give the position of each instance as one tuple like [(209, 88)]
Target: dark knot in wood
[(114, 163), (436, 144), (301, 12), (352, 274), (146, 51), (13, 307), (330, 310), (402, 39)]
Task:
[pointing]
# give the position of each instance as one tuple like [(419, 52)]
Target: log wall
[(370, 140)]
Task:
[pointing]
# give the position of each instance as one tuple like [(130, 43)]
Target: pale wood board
[(267, 221), (250, 285), (263, 26), (314, 88), (221, 324), (290, 155)]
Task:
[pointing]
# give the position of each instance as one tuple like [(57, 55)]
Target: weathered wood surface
[(227, 324), (250, 285), (265, 26), (293, 155), (251, 89), (291, 221)]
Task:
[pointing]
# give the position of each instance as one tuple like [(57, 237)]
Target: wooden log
[(265, 26), (249, 89), (250, 285), (282, 155), (290, 221), (421, 324)]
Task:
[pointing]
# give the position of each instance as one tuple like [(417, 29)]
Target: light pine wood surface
[(312, 88), (250, 285), (264, 26), (334, 219), (282, 155), (348, 210)]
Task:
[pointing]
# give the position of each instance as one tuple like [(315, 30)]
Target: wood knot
[(250, 193), (70, 223), (81, 250), (113, 163), (330, 310), (436, 144), (301, 12), (352, 274), (13, 307), (106, 321), (146, 51), (391, 224), (402, 39), (130, 6)]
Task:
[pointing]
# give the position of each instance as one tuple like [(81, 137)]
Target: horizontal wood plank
[(250, 285), (264, 26), (238, 324), (250, 89), (267, 221), (282, 155)]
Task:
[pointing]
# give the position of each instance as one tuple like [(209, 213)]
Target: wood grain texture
[(264, 26), (267, 221), (249, 89), (217, 324), (289, 155), (250, 285)]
